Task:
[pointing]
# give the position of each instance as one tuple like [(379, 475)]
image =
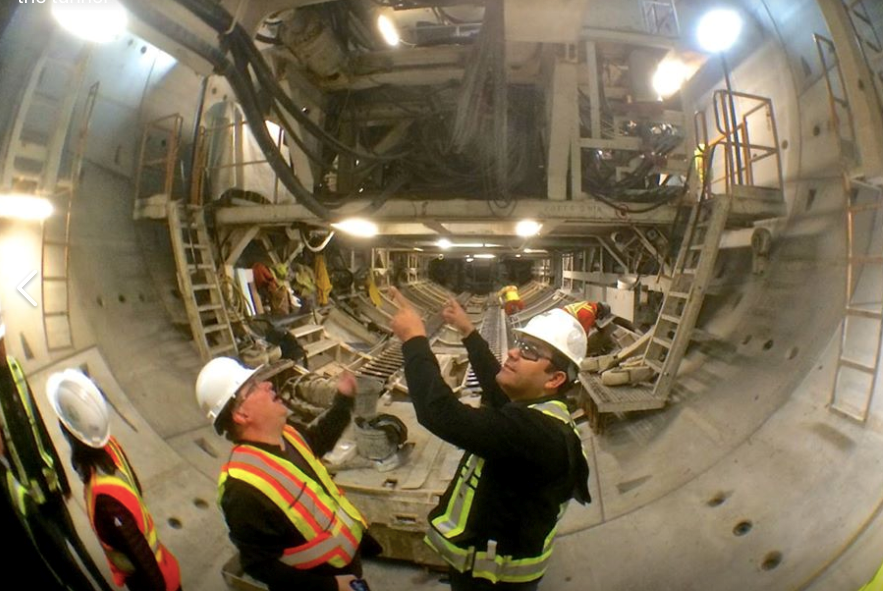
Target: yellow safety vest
[(486, 563), (31, 485), (875, 584), (509, 294), (331, 526), (323, 281)]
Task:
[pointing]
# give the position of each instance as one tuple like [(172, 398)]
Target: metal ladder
[(838, 101), (683, 300), (198, 281), (868, 41), (55, 256), (856, 375)]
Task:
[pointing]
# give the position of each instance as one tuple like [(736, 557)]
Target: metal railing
[(733, 137), (158, 157)]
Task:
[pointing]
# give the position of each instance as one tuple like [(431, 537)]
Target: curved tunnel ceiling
[(746, 480)]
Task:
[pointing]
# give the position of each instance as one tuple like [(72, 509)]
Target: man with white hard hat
[(523, 462), (292, 524)]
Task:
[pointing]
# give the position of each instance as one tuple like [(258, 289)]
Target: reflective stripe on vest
[(331, 526), (48, 469), (486, 563), (121, 486)]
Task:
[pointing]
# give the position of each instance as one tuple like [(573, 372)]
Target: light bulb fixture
[(528, 228), (100, 22), (517, 256), (357, 227), (485, 256), (24, 207), (388, 30), (469, 259), (669, 77), (718, 29), (443, 243)]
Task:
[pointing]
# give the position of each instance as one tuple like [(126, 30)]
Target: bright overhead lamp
[(718, 29), (535, 251), (357, 227), (485, 256), (24, 207), (528, 228), (469, 259), (94, 21), (443, 243), (669, 77), (517, 256), (388, 30)]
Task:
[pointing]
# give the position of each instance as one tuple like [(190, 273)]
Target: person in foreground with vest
[(114, 502), (523, 459), (292, 524)]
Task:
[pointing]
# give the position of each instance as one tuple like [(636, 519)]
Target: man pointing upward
[(523, 460)]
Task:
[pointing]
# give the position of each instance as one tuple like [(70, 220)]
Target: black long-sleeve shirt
[(261, 531), (117, 528), (533, 461)]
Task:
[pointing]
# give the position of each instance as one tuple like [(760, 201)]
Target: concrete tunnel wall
[(748, 436)]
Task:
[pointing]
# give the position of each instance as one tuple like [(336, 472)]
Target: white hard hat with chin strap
[(217, 384), (560, 331), (221, 379), (80, 406)]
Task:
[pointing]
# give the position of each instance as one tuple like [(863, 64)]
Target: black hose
[(243, 92), (219, 19)]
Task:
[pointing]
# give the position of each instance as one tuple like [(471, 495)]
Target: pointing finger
[(398, 298)]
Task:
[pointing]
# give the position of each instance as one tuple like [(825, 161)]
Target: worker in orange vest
[(510, 300), (588, 313), (293, 526), (114, 502)]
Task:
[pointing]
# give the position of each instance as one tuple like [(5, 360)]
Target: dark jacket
[(260, 531), (533, 462)]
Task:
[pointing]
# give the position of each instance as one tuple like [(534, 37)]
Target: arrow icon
[(21, 288)]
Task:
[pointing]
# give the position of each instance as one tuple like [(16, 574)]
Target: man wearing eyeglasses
[(292, 524), (523, 459)]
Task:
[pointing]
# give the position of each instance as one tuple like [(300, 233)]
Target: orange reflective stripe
[(292, 502), (330, 526)]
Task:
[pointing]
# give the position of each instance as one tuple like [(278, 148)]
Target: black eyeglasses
[(530, 351)]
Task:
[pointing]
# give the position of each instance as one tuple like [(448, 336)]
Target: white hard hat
[(559, 330), (80, 406), (218, 383)]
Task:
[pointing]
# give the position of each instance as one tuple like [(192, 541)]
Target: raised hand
[(346, 384), (456, 316), (406, 322)]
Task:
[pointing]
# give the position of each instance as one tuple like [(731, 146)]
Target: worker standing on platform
[(510, 300), (588, 313), (523, 462), (114, 502), (292, 524)]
